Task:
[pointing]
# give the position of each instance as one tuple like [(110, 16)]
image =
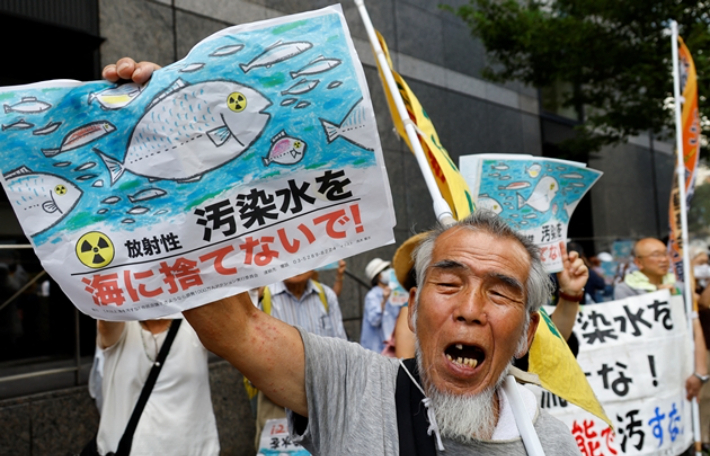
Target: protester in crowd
[(308, 304), (651, 259), (372, 336), (178, 417), (595, 282), (339, 275)]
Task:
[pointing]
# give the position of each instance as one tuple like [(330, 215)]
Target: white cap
[(374, 268)]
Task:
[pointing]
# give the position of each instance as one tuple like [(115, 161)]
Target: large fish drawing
[(28, 105), (116, 97), (353, 128), (82, 136), (277, 52), (542, 195), (285, 150), (41, 200), (319, 65), (192, 130)]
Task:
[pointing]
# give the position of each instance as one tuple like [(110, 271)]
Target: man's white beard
[(464, 418)]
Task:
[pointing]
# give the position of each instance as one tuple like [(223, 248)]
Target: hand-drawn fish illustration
[(515, 186), (494, 175), (42, 198), (285, 150), (128, 220), (116, 97), (302, 86), (102, 211), (51, 127), (191, 68), (534, 170), (62, 164), (572, 176), (277, 52), (500, 167), (111, 200), (504, 178), (82, 136), (530, 216), (353, 128), (303, 104), (335, 84), (138, 210), (542, 195), (489, 204), (98, 183), (147, 194), (28, 105), (319, 65), (85, 166), (204, 125), (18, 125), (227, 50), (289, 101), (86, 177), (577, 184)]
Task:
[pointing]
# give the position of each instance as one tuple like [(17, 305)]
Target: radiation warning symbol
[(237, 102), (95, 250), (60, 189)]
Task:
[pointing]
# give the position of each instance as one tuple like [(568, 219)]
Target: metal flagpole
[(441, 207), (680, 172)]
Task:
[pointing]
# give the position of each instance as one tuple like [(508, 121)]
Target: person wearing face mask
[(372, 336)]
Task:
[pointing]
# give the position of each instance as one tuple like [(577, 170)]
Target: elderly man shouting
[(481, 285)]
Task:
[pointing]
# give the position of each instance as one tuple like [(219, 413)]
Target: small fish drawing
[(138, 210), (98, 183), (494, 175), (102, 211), (561, 168), (302, 86), (226, 50), (514, 215), (116, 97), (319, 65), (277, 52), (28, 105), (524, 222), (51, 127), (542, 195), (111, 200), (509, 197), (19, 125), (534, 170), (576, 184), (504, 178), (303, 104), (501, 194), (162, 211), (489, 204), (62, 164), (515, 186), (128, 220), (500, 167), (335, 84), (86, 177), (353, 128), (147, 194), (82, 136), (85, 166), (206, 124), (569, 208), (572, 176), (285, 150), (289, 101), (191, 68), (44, 199), (530, 216)]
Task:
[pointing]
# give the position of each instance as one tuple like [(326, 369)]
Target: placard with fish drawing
[(535, 195), (253, 159)]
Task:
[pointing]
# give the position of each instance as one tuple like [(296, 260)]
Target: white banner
[(636, 354)]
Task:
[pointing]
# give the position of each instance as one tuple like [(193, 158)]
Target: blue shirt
[(308, 312), (377, 325)]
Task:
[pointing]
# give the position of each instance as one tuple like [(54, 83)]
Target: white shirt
[(178, 418)]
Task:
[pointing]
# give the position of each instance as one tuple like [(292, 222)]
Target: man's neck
[(654, 279), (156, 326), (297, 289)]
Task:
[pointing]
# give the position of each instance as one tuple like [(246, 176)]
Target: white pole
[(441, 207), (680, 172), (530, 438)]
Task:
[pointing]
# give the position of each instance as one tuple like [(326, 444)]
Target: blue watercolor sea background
[(70, 106)]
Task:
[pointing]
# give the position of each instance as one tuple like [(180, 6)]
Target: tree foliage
[(615, 53)]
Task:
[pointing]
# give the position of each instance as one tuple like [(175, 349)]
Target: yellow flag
[(553, 362), (451, 184)]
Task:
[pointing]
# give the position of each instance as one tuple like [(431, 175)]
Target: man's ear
[(412, 307), (532, 329)]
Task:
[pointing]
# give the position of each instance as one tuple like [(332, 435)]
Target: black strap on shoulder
[(124, 446), (412, 423)]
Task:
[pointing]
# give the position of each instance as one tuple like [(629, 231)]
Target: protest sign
[(251, 160), (276, 441), (535, 195), (636, 354)]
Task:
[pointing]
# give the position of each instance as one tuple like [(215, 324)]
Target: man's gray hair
[(538, 287)]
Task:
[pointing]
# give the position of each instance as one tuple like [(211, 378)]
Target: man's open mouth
[(465, 355)]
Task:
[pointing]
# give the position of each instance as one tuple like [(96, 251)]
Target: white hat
[(605, 257), (374, 268)]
